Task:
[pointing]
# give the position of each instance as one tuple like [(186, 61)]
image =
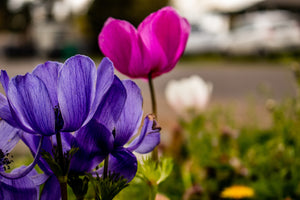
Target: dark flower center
[(5, 160), (59, 122), (114, 132)]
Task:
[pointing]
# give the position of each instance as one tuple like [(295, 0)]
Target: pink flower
[(154, 47)]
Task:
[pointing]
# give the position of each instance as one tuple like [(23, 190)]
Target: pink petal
[(165, 33), (118, 41)]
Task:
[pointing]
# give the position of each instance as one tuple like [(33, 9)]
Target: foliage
[(149, 177), (213, 151), (264, 159), (108, 187)]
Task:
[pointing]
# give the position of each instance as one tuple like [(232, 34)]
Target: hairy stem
[(105, 170), (154, 110), (152, 93), (61, 161), (152, 192)]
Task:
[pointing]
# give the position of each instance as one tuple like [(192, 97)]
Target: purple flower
[(27, 187), (55, 96), (115, 123), (154, 47)]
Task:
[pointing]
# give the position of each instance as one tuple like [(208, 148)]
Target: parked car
[(203, 41), (264, 32)]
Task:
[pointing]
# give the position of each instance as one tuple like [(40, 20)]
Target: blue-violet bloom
[(116, 122), (55, 97)]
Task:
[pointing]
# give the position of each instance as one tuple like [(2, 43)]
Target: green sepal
[(60, 173), (155, 172), (107, 188), (79, 185), (54, 166)]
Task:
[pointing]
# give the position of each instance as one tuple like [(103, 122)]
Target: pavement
[(234, 84)]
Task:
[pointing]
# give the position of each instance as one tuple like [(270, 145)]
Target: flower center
[(5, 161), (114, 132)]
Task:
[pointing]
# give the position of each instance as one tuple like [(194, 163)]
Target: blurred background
[(60, 28), (244, 48)]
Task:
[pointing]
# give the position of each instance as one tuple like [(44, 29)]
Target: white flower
[(191, 93)]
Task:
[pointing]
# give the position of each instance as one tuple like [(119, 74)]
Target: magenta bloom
[(154, 47)]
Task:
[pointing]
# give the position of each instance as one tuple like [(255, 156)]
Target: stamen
[(5, 160), (27, 169)]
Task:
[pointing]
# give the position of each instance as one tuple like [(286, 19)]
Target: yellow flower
[(237, 192)]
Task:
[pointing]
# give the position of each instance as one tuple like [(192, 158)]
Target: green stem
[(105, 170), (80, 198), (154, 110), (152, 93), (61, 161), (152, 192), (63, 190)]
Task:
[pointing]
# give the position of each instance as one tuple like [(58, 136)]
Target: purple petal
[(95, 142), (119, 41), (112, 104), (4, 106), (51, 189), (150, 141), (123, 162), (131, 115), (105, 78), (31, 104), (38, 179), (27, 169), (4, 79), (76, 91), (5, 113), (8, 137), (67, 141), (149, 137), (48, 73), (32, 142), (23, 188)]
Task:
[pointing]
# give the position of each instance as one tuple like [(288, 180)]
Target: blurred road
[(234, 84)]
